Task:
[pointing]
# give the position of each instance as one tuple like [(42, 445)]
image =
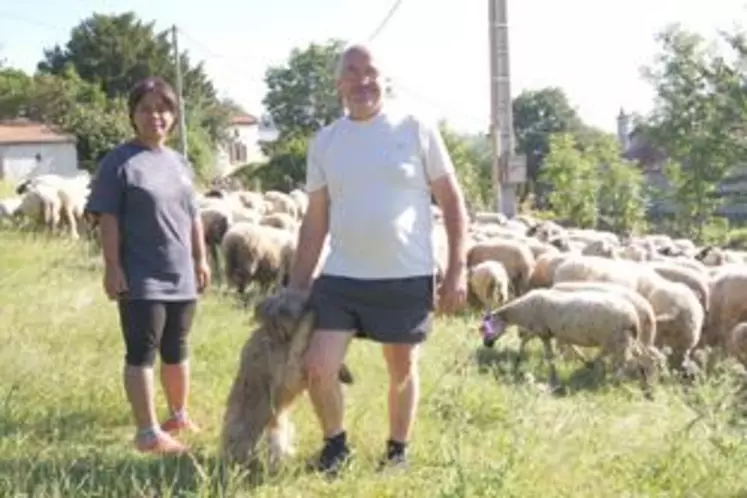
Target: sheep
[(280, 220), (279, 202), (646, 316), (41, 203), (584, 318), (728, 306), (544, 269), (681, 330), (715, 256), (602, 248), (488, 283), (697, 282), (546, 231), (216, 221), (269, 380), (516, 257), (679, 313), (488, 217), (257, 252), (9, 207), (738, 342), (301, 199), (71, 191), (596, 268)]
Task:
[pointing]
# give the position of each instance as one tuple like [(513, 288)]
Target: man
[(370, 177)]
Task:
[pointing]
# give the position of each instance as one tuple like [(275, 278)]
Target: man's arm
[(311, 237), (448, 193), (450, 199)]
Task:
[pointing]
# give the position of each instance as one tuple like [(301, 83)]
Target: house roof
[(23, 131), (244, 119)]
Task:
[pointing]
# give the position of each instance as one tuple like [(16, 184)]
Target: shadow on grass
[(501, 363)]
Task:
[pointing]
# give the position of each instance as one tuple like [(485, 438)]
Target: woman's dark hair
[(152, 84)]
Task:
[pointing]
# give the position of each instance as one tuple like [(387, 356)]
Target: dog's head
[(284, 313)]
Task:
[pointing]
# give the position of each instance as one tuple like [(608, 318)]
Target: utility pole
[(508, 170), (179, 92)]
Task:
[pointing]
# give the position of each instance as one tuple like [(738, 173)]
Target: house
[(29, 148), (242, 147), (652, 160)]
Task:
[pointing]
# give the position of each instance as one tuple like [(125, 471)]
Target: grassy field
[(65, 429)]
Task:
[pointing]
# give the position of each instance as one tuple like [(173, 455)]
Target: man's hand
[(452, 293)]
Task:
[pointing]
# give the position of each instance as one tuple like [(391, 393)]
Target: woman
[(155, 263)]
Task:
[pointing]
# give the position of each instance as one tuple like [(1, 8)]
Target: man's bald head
[(359, 81)]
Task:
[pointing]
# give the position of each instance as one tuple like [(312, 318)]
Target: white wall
[(18, 161), (244, 134)]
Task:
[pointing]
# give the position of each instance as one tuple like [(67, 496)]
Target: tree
[(574, 179), (473, 167), (537, 115), (698, 119), (301, 98), (116, 51), (82, 109), (621, 197), (301, 94), (14, 85)]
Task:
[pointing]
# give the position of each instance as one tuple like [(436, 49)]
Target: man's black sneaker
[(395, 457), (395, 462), (333, 457)]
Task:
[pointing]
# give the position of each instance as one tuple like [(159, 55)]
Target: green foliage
[(575, 181), (537, 115), (200, 152), (473, 167), (284, 171), (14, 85), (71, 104), (698, 119), (737, 239), (116, 51), (622, 201), (301, 94)]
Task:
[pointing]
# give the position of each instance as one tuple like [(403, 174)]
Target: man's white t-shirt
[(378, 173)]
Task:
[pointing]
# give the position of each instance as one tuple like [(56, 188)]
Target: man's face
[(359, 84)]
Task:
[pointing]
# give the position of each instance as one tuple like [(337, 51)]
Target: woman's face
[(153, 117)]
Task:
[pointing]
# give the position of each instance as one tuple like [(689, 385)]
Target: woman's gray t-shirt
[(151, 193)]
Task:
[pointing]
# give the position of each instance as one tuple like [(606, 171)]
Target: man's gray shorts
[(394, 311)]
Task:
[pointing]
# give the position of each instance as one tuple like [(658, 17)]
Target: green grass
[(65, 428)]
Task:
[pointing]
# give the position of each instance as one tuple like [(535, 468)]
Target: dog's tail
[(345, 375)]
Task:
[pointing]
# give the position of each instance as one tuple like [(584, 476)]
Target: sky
[(435, 51)]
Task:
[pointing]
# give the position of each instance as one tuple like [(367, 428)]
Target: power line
[(386, 20), (15, 17)]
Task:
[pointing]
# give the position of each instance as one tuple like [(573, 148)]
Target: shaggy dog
[(270, 378)]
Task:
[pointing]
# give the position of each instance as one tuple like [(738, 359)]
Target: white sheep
[(257, 253), (646, 315), (488, 282), (515, 256), (728, 305), (583, 318)]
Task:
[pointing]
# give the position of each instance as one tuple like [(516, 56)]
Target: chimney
[(623, 130)]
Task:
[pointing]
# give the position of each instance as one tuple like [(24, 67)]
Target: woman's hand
[(202, 272), (115, 282)]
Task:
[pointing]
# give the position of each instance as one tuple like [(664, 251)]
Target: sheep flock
[(649, 302)]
